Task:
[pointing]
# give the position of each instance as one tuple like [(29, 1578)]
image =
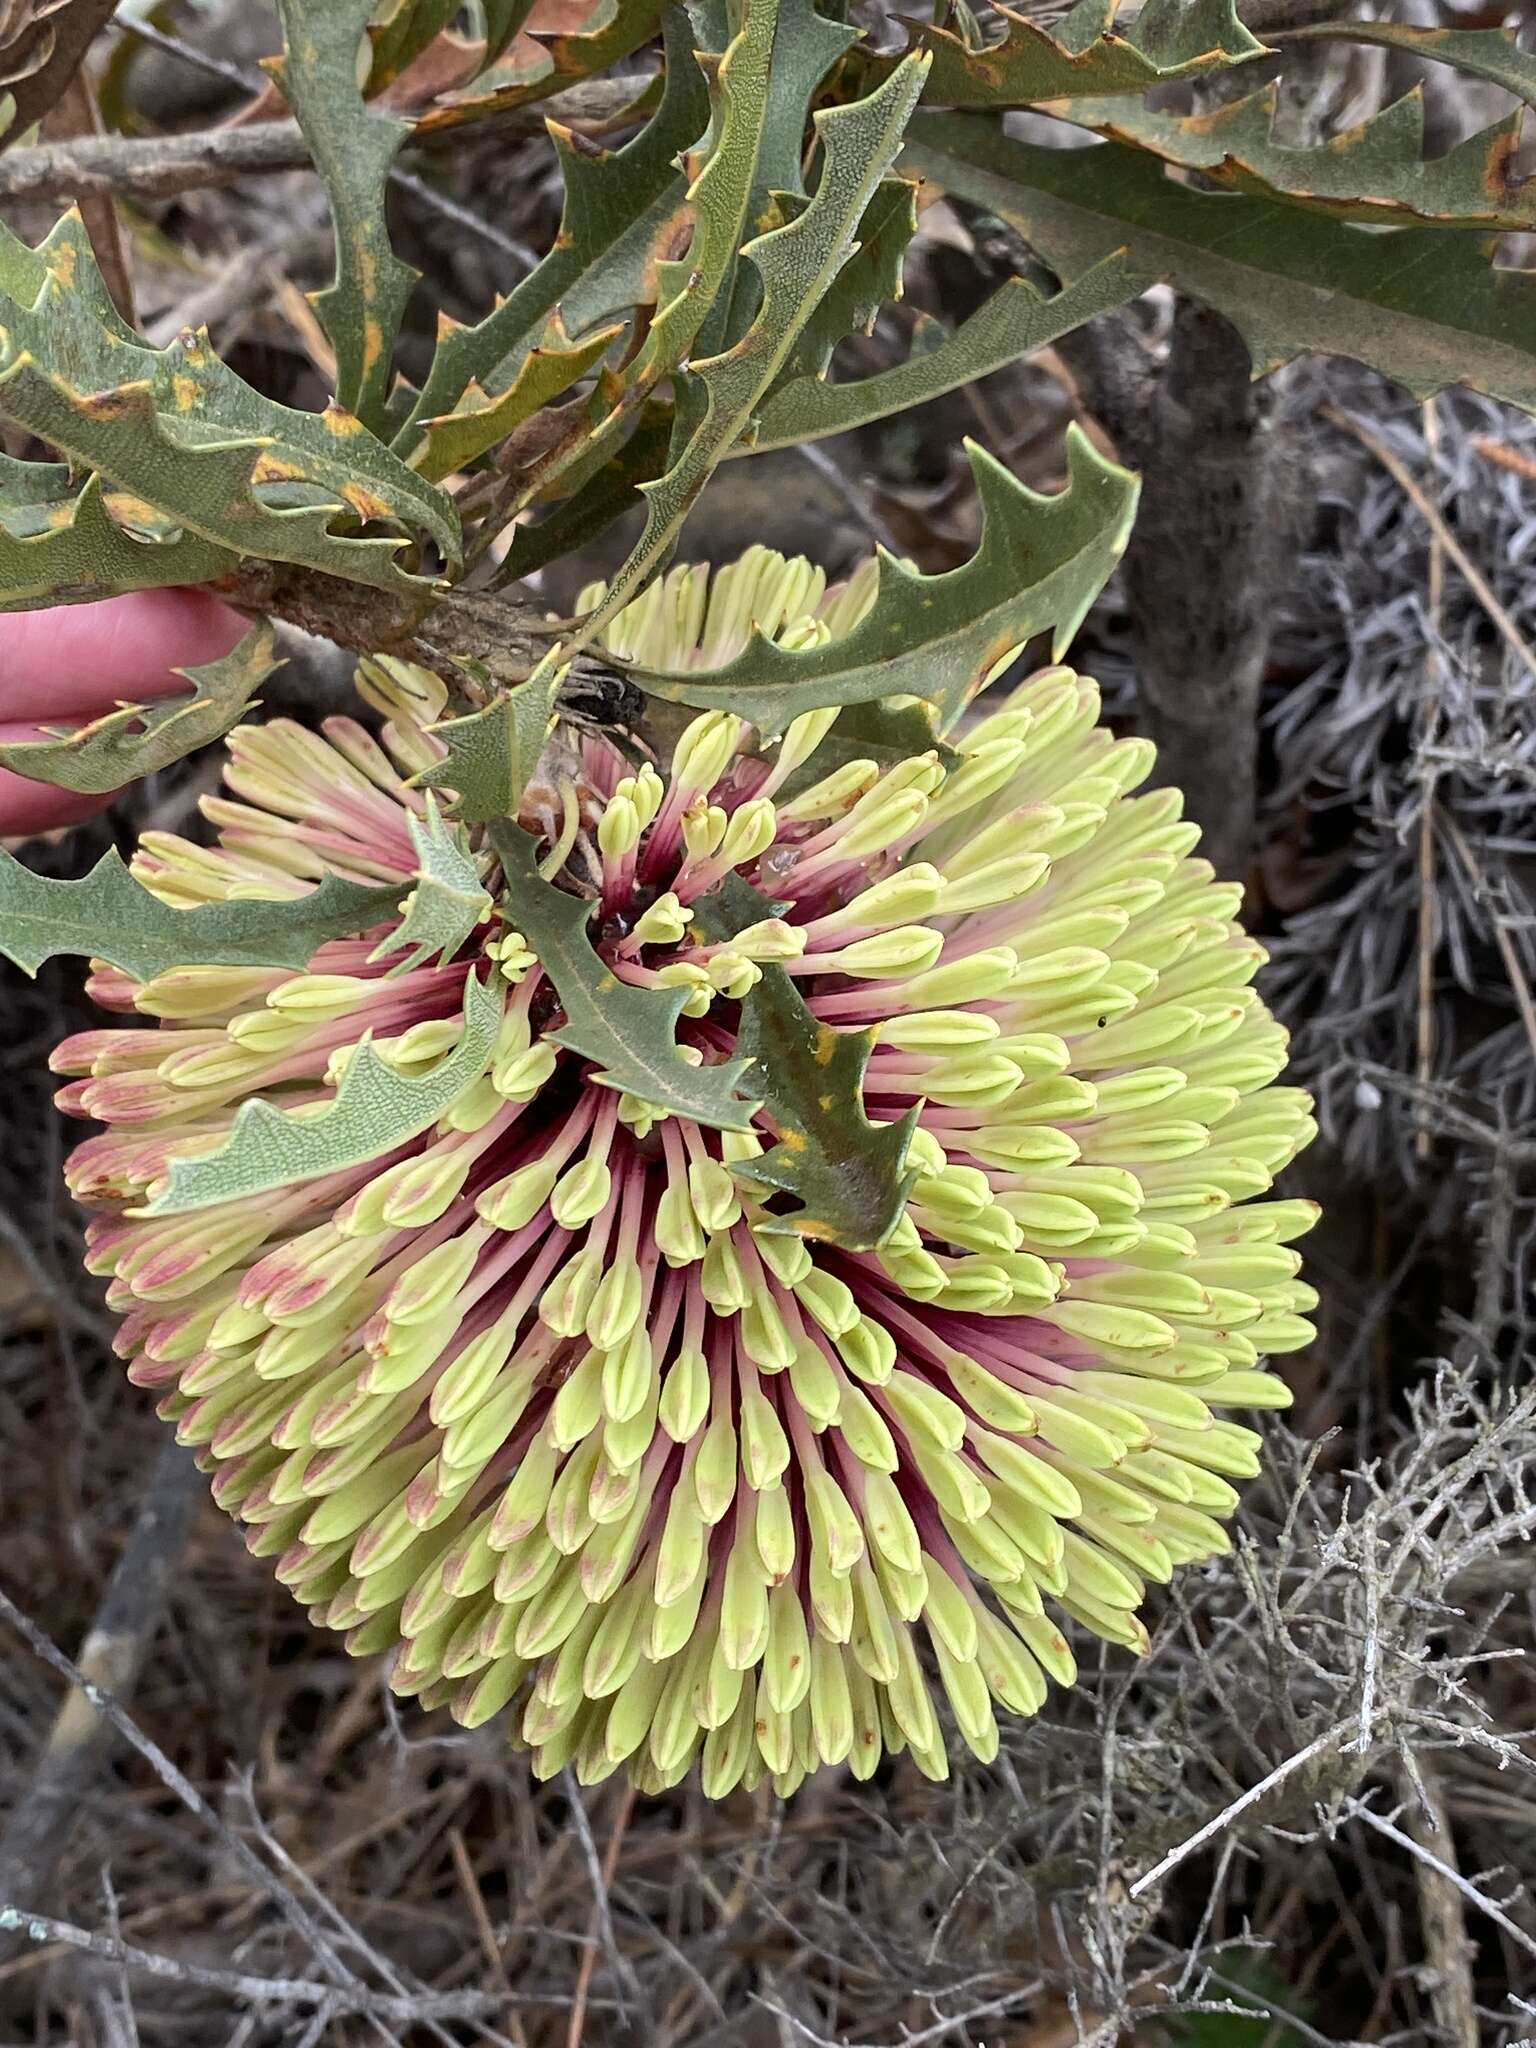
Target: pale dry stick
[(402, 179), (1452, 1992), (175, 1780), (995, 2008), (601, 1912), (165, 166), (1506, 458), (1218, 1821), (1503, 937), (470, 1885), (325, 1908), (1408, 484), (336, 2000), (111, 1657), (1429, 726), (1469, 1891)]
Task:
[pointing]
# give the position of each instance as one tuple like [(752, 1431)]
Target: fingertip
[(77, 660), (27, 807)]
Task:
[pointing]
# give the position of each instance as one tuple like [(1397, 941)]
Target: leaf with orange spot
[(89, 544), (1083, 52), (226, 471), (619, 206), (482, 422), (354, 146), (849, 1177), (1376, 171)]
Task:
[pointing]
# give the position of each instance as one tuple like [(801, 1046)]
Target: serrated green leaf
[(492, 753), (630, 1034), (139, 739), (178, 429), (1490, 53), (870, 279), (109, 915), (374, 1110), (796, 265), (721, 194), (1014, 321), (79, 553), (447, 901), (1374, 172), (619, 209), (1083, 53), (354, 147), (1039, 565), (805, 47), (850, 1177), (480, 422), (1425, 309)]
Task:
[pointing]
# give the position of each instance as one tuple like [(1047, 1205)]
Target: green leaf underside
[(374, 1110), (109, 915), (81, 554), (630, 1034), (177, 428), (1039, 565), (1374, 172), (1490, 53), (720, 197), (1083, 54), (354, 146), (849, 1176), (1291, 281), (805, 47), (548, 370), (867, 281), (492, 753), (138, 739), (795, 264), (447, 901), (1014, 321), (619, 208)]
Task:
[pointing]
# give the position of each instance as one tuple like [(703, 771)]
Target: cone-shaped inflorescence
[(548, 1399)]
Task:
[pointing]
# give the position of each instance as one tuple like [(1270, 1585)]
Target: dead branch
[(111, 1658), (163, 166)]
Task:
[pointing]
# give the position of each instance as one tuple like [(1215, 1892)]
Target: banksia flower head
[(562, 1395)]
